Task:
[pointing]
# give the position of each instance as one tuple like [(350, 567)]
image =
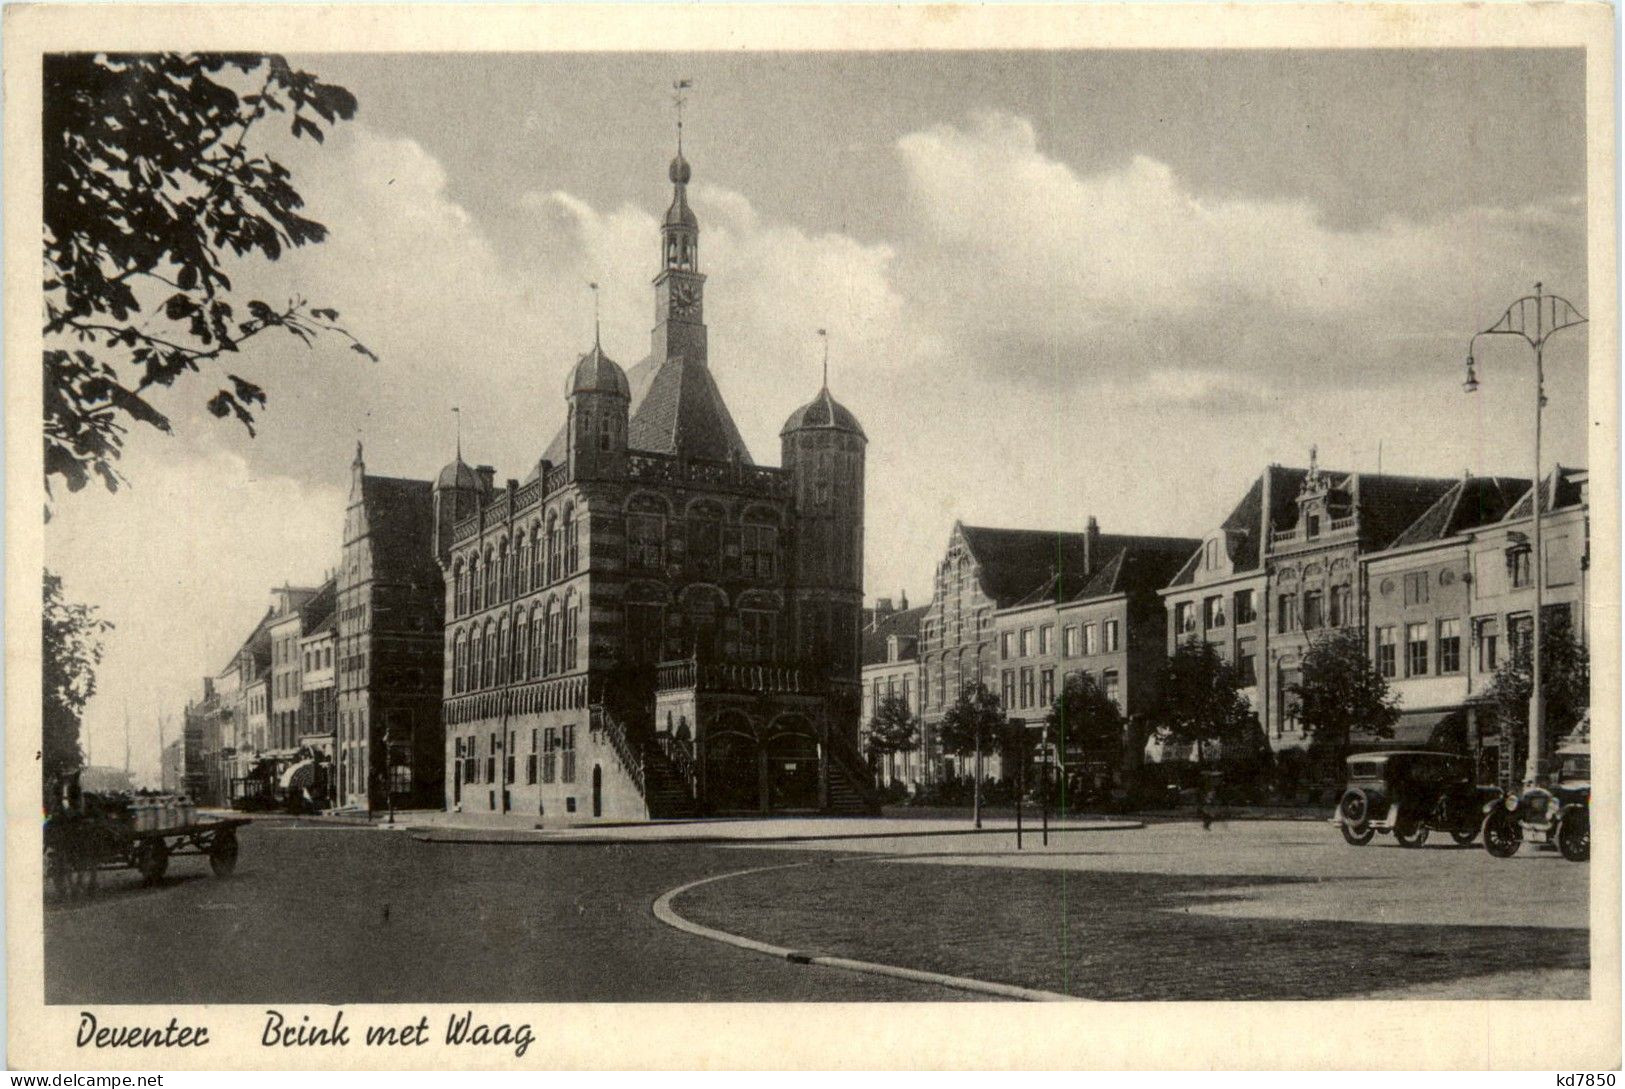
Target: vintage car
[(1411, 793), (1557, 815)]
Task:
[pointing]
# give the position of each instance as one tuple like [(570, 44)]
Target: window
[(572, 539), (1386, 651), (1091, 644), (459, 681), (1210, 555), (645, 627), (761, 544), (1069, 641), (1109, 686), (1184, 618), (704, 542), (1314, 610), (1046, 638), (567, 745), (1312, 526), (1027, 686), (505, 579), (1026, 642), (1416, 650), (1286, 615), (491, 573), (1287, 678), (1046, 688), (1450, 646), (530, 762), (550, 756), (521, 565), (538, 553), (1520, 631), (1487, 635), (502, 653), (1213, 613), (488, 671), (1247, 661), (756, 630), (1245, 609), (491, 761), (1008, 688), (555, 550), (1416, 588), (1004, 645), (1109, 636), (1342, 606), (1518, 567), (474, 659), (521, 649)]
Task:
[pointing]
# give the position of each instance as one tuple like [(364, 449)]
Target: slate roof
[(675, 405), (1568, 493), (1389, 505), (904, 623), (1472, 502), (1029, 566), (822, 412), (400, 520)]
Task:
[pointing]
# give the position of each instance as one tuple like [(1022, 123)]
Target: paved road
[(324, 913)]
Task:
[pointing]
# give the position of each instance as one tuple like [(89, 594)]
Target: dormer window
[(891, 648), (1312, 526)]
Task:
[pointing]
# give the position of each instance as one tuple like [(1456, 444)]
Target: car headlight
[(1510, 801)]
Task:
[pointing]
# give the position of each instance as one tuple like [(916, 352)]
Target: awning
[(1443, 729), (301, 776)]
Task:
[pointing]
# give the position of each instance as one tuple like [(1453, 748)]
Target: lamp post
[(1534, 318)]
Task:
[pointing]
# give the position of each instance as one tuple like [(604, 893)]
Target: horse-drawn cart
[(80, 844)]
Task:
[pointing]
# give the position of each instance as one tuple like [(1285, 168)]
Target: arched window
[(604, 432), (536, 551), (572, 622), (536, 641), (506, 578), (488, 671), (521, 569), (475, 587), (459, 659), (502, 652), (572, 554), (520, 632), (491, 572), (460, 589), (702, 622), (553, 553), (555, 627), (476, 644)]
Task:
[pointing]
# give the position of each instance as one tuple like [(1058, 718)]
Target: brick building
[(891, 667), (652, 623), (1454, 594), (387, 645)]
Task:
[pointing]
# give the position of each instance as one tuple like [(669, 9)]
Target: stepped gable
[(1474, 501), (904, 623)]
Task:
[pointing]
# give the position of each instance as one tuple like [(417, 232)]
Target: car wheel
[(1411, 833), (1357, 835), (1574, 836), (1464, 839), (1502, 833)]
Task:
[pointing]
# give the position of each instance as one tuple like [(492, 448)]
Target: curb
[(553, 839), (665, 913)]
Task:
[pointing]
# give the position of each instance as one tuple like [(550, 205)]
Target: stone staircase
[(851, 790), (667, 791)]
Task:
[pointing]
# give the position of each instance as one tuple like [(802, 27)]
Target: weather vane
[(678, 98), (824, 335), (593, 284)]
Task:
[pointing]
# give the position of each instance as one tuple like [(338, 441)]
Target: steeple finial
[(457, 413), (678, 99), (595, 318), (824, 336)]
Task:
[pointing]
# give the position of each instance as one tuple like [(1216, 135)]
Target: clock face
[(685, 297)]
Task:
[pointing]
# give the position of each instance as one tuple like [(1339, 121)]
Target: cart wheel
[(1464, 839), (1503, 835), (223, 855), (1411, 833), (152, 859)]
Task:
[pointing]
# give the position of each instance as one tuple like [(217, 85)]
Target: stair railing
[(631, 759), (852, 764), (681, 754)]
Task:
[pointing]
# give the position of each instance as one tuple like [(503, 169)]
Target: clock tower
[(679, 288)]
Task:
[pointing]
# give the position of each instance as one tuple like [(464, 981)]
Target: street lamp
[(1534, 318)]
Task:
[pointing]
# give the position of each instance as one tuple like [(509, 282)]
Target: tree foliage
[(1565, 677), (151, 185), (1342, 693), (893, 729), (72, 649), (1084, 718), (1199, 701), (974, 720)]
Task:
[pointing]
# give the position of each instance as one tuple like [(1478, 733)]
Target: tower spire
[(678, 99), (823, 335)]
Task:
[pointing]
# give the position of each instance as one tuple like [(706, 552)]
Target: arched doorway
[(597, 790), (792, 769), (732, 771)]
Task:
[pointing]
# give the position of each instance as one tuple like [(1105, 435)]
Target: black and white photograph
[(833, 522)]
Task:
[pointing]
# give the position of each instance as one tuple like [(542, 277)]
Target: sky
[(1056, 285)]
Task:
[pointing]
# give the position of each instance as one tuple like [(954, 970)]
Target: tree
[(72, 649), (1199, 700), (1083, 717), (1565, 674), (893, 729), (1342, 692), (974, 724), (151, 186)]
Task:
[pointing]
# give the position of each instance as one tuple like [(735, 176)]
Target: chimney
[(884, 607), (902, 599), (1091, 545), (1264, 529), (488, 477)]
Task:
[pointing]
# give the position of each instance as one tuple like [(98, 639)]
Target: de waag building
[(652, 624)]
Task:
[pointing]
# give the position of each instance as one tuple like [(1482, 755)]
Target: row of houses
[(1436, 572)]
